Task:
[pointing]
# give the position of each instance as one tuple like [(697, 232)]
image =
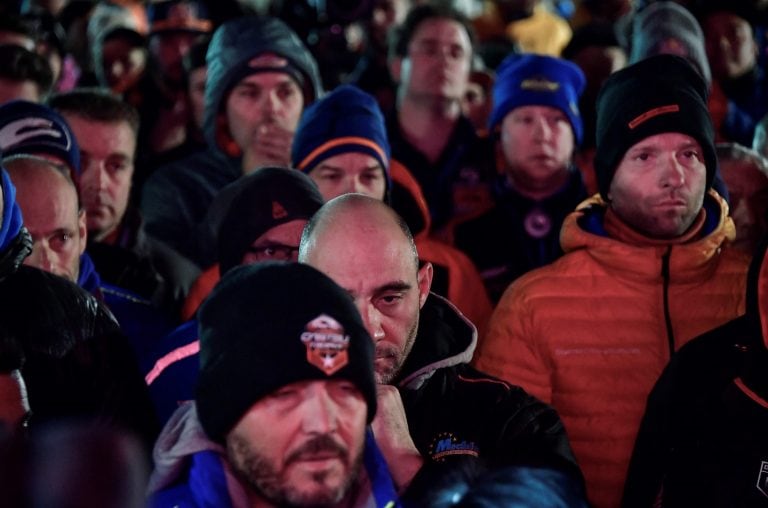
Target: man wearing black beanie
[(285, 393), (647, 267)]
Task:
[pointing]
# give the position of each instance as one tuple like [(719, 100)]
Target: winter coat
[(518, 234), (455, 412), (139, 320), (703, 439), (591, 333), (191, 471), (457, 183)]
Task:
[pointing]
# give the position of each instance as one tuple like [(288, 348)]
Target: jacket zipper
[(665, 284)]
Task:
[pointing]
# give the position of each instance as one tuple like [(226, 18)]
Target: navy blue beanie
[(33, 129), (271, 324), (346, 120), (537, 80)]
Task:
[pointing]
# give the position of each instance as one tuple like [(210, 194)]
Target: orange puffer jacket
[(591, 332)]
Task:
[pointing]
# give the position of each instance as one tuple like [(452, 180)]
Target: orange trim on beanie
[(347, 140)]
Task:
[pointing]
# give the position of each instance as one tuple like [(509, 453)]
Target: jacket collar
[(583, 230), (445, 338)]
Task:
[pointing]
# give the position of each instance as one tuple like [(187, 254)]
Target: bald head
[(364, 246), (354, 213)]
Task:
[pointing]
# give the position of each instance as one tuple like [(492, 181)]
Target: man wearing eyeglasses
[(258, 218), (428, 132)]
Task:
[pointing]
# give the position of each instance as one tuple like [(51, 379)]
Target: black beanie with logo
[(660, 94), (271, 324), (260, 201)]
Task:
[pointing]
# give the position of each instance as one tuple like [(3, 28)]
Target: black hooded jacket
[(704, 438), (456, 413)]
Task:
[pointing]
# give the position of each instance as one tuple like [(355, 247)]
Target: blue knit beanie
[(346, 120), (536, 80), (11, 221), (33, 129)]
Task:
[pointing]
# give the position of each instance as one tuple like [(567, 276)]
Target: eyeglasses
[(432, 48)]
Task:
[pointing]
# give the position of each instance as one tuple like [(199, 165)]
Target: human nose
[(372, 321), (321, 414), (355, 185), (95, 177), (271, 103), (117, 69), (723, 43), (673, 173), (541, 129), (41, 257)]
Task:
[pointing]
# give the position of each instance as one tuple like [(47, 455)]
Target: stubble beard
[(386, 376), (263, 479)]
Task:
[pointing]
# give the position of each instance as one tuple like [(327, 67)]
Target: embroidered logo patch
[(661, 110), (539, 84), (447, 444), (762, 478), (278, 211), (326, 344)]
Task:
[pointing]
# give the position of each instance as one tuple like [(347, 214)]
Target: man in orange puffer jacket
[(646, 268)]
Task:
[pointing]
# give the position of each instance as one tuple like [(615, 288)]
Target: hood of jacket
[(584, 230), (233, 46), (445, 338), (182, 437), (408, 200)]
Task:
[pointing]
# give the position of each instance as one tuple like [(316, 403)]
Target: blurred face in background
[(106, 153), (48, 202), (538, 144), (124, 63), (168, 50), (438, 61), (730, 45), (196, 91), (748, 195), (350, 172)]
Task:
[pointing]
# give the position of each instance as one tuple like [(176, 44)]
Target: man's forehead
[(675, 138), (309, 385), (267, 77), (437, 29)]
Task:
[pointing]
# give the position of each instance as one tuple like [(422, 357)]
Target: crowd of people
[(387, 253)]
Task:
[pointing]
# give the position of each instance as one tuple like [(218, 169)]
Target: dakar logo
[(762, 479), (446, 445), (278, 211), (27, 128), (326, 344), (539, 84)]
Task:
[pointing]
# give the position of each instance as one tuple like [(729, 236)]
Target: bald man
[(433, 407), (49, 204)]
